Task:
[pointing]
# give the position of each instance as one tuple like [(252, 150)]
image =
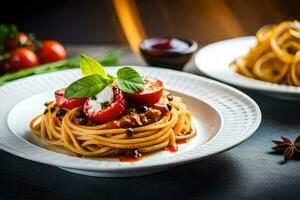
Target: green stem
[(38, 70), (108, 59)]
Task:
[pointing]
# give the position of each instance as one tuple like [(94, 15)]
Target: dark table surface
[(249, 171)]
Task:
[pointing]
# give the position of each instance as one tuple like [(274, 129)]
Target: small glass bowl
[(168, 52)]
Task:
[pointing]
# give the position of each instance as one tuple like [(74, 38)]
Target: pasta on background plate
[(276, 57)]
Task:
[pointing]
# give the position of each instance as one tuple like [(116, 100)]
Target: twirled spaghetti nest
[(109, 140), (276, 56)]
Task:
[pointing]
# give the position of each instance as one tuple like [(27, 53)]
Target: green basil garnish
[(90, 66), (129, 80), (96, 79), (87, 86)]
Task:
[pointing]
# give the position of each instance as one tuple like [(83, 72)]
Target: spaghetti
[(167, 128), (276, 56)]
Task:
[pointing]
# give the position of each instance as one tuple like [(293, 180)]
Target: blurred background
[(103, 21)]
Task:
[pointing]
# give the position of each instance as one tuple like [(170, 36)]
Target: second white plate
[(214, 60)]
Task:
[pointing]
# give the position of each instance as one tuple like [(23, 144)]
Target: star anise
[(297, 144), (287, 147)]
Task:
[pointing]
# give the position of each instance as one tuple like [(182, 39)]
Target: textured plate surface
[(214, 60), (239, 116)]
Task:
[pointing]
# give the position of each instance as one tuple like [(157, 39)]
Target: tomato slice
[(111, 112), (68, 103), (150, 95)]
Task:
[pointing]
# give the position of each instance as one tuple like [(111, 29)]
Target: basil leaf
[(87, 86), (90, 66), (129, 80)]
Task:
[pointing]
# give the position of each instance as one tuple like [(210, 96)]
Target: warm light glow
[(225, 17), (130, 22)]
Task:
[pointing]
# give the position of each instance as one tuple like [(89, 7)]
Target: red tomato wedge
[(111, 112), (150, 95), (68, 103)]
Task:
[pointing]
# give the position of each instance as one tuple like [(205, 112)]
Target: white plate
[(223, 116), (213, 60)]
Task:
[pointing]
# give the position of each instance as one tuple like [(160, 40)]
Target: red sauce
[(130, 159), (131, 155), (172, 148), (166, 44)]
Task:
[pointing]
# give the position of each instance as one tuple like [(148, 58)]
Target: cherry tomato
[(111, 112), (19, 40), (150, 95), (51, 51), (68, 103), (22, 58)]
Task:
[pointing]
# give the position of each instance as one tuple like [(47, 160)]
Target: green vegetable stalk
[(109, 59)]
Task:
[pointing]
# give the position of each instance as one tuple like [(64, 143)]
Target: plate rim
[(152, 165), (254, 84)]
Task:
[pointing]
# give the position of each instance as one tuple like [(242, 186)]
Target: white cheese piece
[(105, 95)]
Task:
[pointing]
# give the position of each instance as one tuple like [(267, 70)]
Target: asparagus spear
[(109, 59)]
